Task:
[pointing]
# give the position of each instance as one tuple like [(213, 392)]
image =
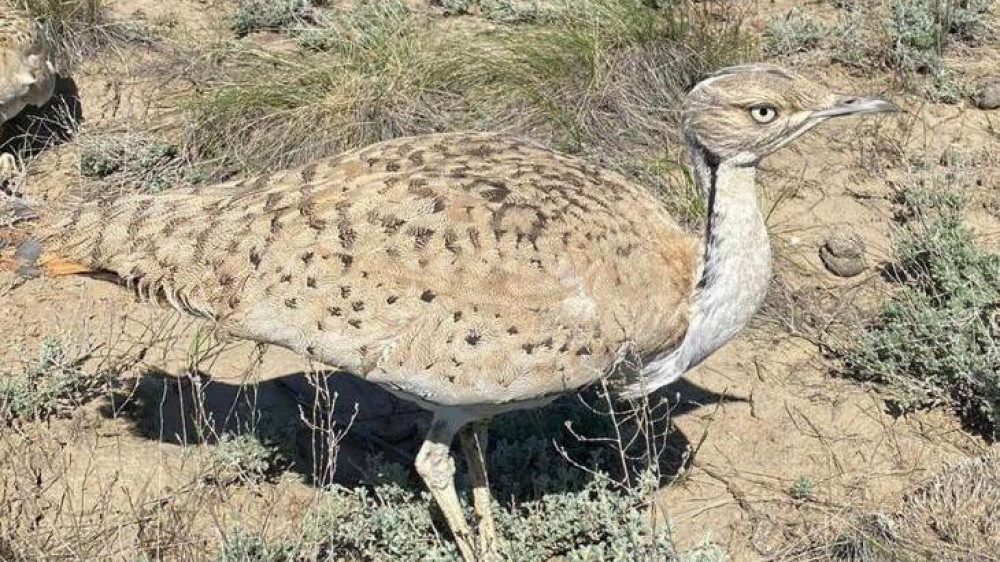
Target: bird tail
[(21, 251)]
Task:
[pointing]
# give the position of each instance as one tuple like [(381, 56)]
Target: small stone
[(843, 254), (987, 94)]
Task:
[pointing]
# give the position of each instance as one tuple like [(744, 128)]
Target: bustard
[(473, 273), (27, 75)]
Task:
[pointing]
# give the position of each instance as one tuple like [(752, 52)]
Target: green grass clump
[(604, 78), (938, 339), (795, 32), (51, 385), (801, 489)]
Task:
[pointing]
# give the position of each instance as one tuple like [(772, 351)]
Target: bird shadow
[(35, 129), (332, 427)]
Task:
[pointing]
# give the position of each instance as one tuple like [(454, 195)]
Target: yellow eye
[(763, 113)]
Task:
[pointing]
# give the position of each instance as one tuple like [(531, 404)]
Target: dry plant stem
[(473, 438), (437, 468)]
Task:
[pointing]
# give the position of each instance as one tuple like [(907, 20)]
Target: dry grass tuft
[(951, 518), (117, 163), (599, 77), (76, 29)]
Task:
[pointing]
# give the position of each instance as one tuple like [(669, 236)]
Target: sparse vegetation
[(575, 80), (910, 37), (271, 15), (792, 33), (938, 339), (566, 509), (570, 507), (256, 454), (801, 489), (243, 456), (78, 28), (240, 546), (51, 385), (134, 162), (950, 518), (595, 523), (506, 11)]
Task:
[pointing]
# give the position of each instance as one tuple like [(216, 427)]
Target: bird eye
[(763, 113)]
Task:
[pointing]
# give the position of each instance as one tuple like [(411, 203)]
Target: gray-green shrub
[(53, 384), (241, 546), (792, 33), (134, 162), (911, 37), (270, 15), (390, 521), (938, 338)]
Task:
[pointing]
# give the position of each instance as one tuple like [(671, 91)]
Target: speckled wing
[(457, 269)]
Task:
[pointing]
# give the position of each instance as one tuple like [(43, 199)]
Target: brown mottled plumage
[(457, 269), (470, 272)]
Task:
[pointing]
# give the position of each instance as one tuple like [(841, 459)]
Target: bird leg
[(437, 468), (8, 166), (473, 439)]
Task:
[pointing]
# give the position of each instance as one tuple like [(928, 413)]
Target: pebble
[(987, 94), (843, 253)]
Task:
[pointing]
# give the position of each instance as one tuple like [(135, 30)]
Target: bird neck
[(736, 268)]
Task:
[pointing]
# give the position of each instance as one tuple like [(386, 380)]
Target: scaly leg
[(8, 166), (437, 468), (473, 439)]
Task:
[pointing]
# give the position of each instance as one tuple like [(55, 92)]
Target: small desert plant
[(53, 384), (910, 37), (507, 11), (270, 15), (938, 338), (240, 546), (133, 162), (244, 457), (392, 522), (801, 489), (257, 453), (792, 33)]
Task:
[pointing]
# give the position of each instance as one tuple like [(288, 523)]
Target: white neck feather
[(735, 275)]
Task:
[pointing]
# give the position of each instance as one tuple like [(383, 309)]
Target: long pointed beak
[(855, 105)]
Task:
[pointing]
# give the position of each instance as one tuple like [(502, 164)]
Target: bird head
[(743, 113)]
